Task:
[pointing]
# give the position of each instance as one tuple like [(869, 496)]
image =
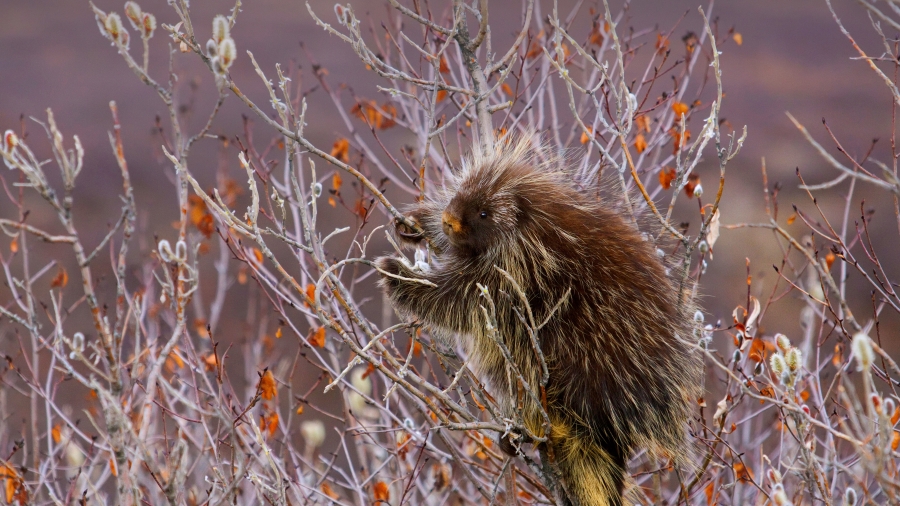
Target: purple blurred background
[(793, 58)]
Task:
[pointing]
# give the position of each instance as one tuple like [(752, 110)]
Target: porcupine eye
[(484, 215)]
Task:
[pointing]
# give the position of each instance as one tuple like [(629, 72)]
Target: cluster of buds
[(220, 48), (111, 27), (168, 256), (786, 362), (143, 22), (779, 496), (344, 14), (703, 333)]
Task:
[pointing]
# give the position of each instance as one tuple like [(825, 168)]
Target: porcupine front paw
[(388, 266), (511, 442), (407, 234)]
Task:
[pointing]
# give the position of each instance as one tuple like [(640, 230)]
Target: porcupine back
[(619, 378)]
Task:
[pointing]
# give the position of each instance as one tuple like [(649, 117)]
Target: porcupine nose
[(450, 223)]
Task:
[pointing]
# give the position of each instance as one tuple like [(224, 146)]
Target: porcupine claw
[(406, 233)]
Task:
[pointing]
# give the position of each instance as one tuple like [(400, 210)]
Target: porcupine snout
[(450, 223)]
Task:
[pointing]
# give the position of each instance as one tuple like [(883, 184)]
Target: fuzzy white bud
[(317, 190), (113, 26), (221, 28), (165, 251), (148, 24), (227, 52), (793, 359), (133, 13), (698, 190), (698, 317), (212, 49), (342, 14), (313, 432), (777, 364), (10, 141), (77, 345), (783, 343), (862, 350), (850, 497), (779, 497)]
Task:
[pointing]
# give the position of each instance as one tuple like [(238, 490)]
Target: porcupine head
[(524, 255)]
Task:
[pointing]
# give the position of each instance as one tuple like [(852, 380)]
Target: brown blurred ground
[(793, 58)]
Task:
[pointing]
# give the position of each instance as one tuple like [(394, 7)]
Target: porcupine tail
[(591, 475)]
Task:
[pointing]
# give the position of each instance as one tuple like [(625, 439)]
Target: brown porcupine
[(620, 377)]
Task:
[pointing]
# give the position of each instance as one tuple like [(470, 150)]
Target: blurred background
[(793, 58)]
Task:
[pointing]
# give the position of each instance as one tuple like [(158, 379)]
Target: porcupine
[(621, 374)]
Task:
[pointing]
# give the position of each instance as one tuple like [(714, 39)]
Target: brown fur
[(620, 379)]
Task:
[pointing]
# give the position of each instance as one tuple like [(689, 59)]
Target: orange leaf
[(675, 132), (829, 259), (381, 491), (742, 473), (310, 293), (341, 150), (336, 181), (738, 38), (14, 245), (643, 123), (269, 423), (278, 333), (56, 433), (299, 410), (679, 108), (441, 95), (640, 144), (757, 350), (389, 116), (258, 255), (332, 202), (662, 43), (535, 48), (317, 339), (444, 68), (596, 36), (666, 176), (242, 275), (199, 215), (585, 138), (211, 362), (326, 489), (710, 489), (791, 219), (895, 440), (61, 279), (266, 387), (506, 89), (112, 467)]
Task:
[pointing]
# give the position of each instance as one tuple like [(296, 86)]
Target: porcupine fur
[(619, 377)]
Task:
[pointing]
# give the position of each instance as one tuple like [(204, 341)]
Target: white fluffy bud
[(862, 350), (313, 432), (220, 28), (783, 343), (133, 13), (793, 359), (227, 52), (777, 364)]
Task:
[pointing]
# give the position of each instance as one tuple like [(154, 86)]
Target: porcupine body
[(619, 378)]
